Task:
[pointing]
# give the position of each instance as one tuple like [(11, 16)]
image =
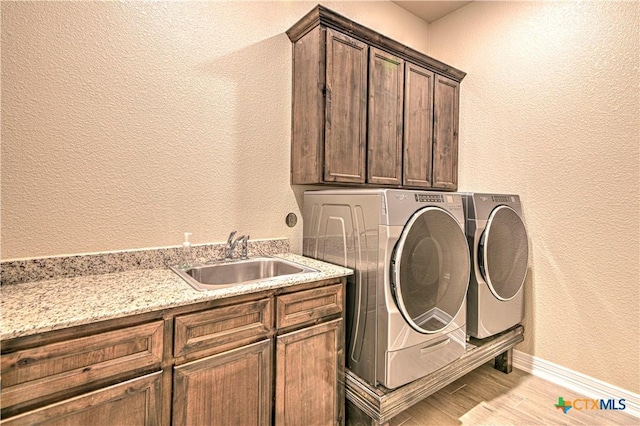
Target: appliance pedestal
[(368, 405)]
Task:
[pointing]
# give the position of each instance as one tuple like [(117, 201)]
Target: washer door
[(503, 253), (430, 270)]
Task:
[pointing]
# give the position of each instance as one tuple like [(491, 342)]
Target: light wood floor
[(488, 397)]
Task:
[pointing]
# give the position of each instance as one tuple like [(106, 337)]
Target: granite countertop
[(40, 306)]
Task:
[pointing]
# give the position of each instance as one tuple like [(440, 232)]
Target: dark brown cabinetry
[(34, 376), (330, 108), (310, 357), (134, 402), (367, 110), (384, 124), (230, 388), (418, 125), (309, 370), (445, 133), (243, 360), (430, 129), (227, 375), (346, 109)]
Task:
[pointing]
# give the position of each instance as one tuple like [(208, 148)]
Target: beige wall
[(550, 110), (126, 124)]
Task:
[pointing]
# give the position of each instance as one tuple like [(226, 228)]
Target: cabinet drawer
[(308, 306), (224, 328), (57, 370)]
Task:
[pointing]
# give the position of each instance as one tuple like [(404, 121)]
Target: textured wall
[(125, 124), (550, 110)]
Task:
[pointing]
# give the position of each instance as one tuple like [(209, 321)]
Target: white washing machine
[(499, 251), (406, 302)]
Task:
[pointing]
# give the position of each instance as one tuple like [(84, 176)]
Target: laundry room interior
[(127, 124)]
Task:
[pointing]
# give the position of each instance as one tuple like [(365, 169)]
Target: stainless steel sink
[(229, 273)]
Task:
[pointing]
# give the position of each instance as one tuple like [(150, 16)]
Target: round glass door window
[(430, 272), (503, 253)]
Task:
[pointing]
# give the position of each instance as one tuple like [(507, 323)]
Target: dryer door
[(430, 270), (503, 253)]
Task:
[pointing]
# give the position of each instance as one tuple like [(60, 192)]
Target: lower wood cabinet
[(55, 370), (134, 402), (303, 355), (230, 388), (309, 373), (272, 357)]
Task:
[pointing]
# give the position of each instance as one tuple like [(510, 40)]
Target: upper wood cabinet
[(330, 108), (367, 110), (430, 129), (445, 133), (384, 124), (418, 125), (345, 90)]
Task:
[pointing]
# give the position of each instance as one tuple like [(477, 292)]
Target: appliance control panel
[(429, 198), (503, 199), (451, 201)]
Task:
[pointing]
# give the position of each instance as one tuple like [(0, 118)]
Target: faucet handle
[(231, 235), (245, 241)]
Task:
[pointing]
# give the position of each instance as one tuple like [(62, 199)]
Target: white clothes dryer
[(406, 302), (499, 252)]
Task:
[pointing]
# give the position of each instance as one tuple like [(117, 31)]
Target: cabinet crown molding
[(325, 17)]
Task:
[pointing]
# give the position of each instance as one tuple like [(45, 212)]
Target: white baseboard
[(575, 381)]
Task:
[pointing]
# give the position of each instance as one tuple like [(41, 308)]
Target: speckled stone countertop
[(40, 306)]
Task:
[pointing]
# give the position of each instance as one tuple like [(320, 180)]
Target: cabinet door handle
[(328, 94), (434, 346)]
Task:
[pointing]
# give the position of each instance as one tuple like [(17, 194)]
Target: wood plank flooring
[(488, 397)]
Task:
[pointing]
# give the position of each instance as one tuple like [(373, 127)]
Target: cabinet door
[(445, 133), (230, 388), (345, 109), (386, 88), (310, 376), (307, 109), (135, 402), (418, 126)]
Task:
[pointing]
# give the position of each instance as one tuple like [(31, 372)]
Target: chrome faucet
[(231, 245)]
